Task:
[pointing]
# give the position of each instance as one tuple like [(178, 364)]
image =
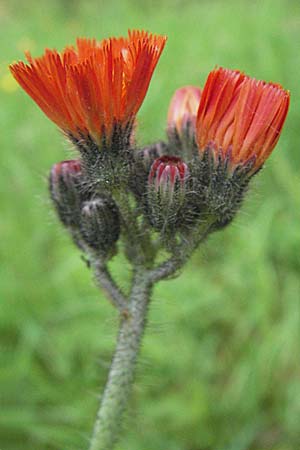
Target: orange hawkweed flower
[(240, 117), (94, 88), (183, 108)]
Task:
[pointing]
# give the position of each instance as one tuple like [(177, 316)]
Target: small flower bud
[(183, 107), (165, 172), (181, 120), (166, 191), (66, 187), (143, 161), (100, 224)]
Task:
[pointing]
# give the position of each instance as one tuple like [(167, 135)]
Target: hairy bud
[(166, 191), (143, 160), (100, 224), (181, 121), (66, 190)]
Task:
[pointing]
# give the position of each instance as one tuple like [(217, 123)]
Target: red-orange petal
[(242, 114), (94, 85)]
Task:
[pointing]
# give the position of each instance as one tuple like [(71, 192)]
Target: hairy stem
[(181, 254), (105, 280), (121, 374)]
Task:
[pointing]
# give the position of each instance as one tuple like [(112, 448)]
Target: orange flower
[(183, 108), (240, 117), (93, 88)]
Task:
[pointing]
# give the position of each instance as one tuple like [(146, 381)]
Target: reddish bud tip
[(166, 171), (65, 169), (183, 108)]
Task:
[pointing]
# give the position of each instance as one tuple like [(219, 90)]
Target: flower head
[(94, 87), (240, 117), (183, 108)]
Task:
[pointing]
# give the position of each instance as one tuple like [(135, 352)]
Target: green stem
[(121, 374), (105, 280), (181, 254)]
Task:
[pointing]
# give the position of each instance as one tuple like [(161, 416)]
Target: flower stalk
[(121, 375)]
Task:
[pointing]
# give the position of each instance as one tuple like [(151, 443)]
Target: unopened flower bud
[(181, 120), (166, 191), (143, 160), (100, 224), (66, 187)]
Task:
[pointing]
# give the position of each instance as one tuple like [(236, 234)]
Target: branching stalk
[(133, 320), (105, 280), (180, 255)]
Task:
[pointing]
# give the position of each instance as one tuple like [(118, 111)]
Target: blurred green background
[(220, 364)]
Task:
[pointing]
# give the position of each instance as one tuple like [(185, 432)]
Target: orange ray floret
[(241, 115), (92, 87)]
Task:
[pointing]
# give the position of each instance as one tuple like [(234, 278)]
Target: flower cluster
[(218, 137)]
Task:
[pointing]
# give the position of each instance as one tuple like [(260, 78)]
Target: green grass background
[(220, 364)]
